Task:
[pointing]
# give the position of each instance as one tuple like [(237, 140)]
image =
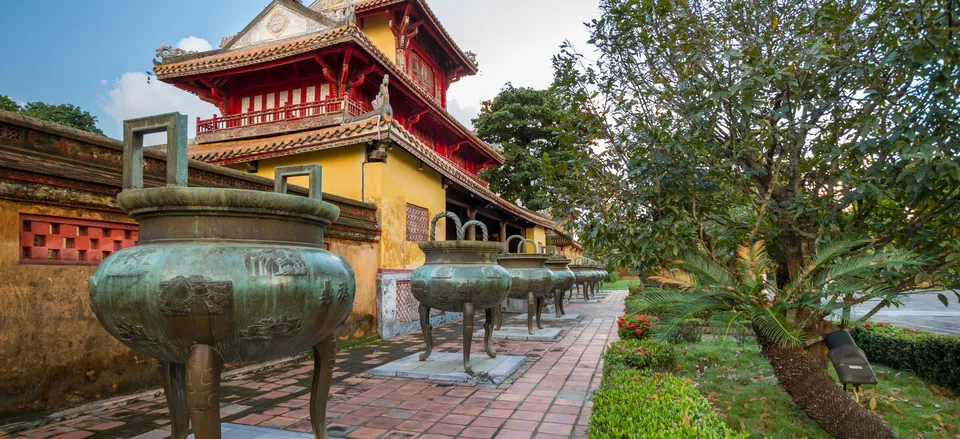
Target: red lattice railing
[(68, 241), (280, 114)]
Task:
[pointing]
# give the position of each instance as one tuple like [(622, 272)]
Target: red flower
[(639, 332), (867, 325)]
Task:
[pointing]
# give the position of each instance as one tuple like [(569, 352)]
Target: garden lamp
[(849, 360)]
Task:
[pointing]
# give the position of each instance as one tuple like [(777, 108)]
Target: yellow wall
[(362, 320), (391, 186), (377, 29), (341, 174), (538, 235)]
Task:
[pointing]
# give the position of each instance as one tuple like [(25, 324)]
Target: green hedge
[(650, 405), (636, 326), (935, 358), (639, 354), (613, 276)]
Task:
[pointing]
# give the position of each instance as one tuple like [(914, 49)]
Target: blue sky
[(92, 53)]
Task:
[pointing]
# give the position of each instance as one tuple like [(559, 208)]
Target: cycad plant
[(788, 318)]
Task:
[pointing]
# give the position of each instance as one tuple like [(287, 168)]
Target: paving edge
[(119, 401)]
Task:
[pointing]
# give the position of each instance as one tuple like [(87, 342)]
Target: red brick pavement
[(549, 399)]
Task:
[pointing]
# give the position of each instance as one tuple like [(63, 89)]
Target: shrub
[(639, 354), (650, 405), (935, 358), (636, 326), (636, 305), (634, 289), (613, 276), (688, 331)]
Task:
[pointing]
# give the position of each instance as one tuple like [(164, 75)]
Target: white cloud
[(132, 96), (192, 43), (462, 113), (103, 82)]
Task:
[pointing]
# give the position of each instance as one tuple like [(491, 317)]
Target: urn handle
[(313, 172), (451, 215), (578, 260), (483, 228), (175, 125), (523, 244)]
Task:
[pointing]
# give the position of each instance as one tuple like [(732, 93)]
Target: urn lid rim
[(198, 199)]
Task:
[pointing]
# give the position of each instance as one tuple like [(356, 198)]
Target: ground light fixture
[(849, 361)]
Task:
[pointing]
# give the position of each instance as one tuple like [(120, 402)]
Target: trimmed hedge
[(649, 405), (636, 326), (935, 358), (639, 354)]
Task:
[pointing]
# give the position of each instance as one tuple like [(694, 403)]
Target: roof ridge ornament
[(380, 104), (166, 53)]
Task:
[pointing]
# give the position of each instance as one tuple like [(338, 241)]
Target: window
[(422, 73), (417, 223)]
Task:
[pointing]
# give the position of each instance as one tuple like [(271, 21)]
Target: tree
[(7, 104), (794, 122), (538, 155), (63, 114)]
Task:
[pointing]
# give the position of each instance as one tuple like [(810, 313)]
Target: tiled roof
[(223, 60), (243, 57), (366, 5), (231, 152)]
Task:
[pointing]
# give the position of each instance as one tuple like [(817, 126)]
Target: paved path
[(922, 311), (548, 398)]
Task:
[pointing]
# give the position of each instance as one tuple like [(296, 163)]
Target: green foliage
[(642, 405), (635, 289), (639, 354), (538, 156), (748, 291), (7, 104), (636, 326), (794, 122), (64, 114), (740, 384), (613, 277), (933, 357)]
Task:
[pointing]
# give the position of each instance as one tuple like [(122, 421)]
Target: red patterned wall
[(68, 241)]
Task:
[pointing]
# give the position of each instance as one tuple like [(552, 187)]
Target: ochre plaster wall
[(362, 256), (391, 186), (377, 29), (537, 234), (53, 350), (341, 173)]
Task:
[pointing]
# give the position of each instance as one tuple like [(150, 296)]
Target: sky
[(95, 53)]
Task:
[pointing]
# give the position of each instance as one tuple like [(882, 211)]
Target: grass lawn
[(619, 285), (740, 383)]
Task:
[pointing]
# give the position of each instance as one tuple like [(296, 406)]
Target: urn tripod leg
[(540, 303), (531, 310), (173, 377), (467, 335), (499, 317), (586, 292), (427, 332), (203, 384), (488, 333), (324, 359), (558, 302)]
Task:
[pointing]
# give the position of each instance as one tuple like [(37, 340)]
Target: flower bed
[(643, 404), (933, 357), (636, 326), (639, 354)]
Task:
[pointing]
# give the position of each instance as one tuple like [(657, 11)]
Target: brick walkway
[(548, 398)]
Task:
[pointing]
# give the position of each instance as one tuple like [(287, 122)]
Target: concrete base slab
[(520, 333), (448, 367), (237, 431), (595, 299), (551, 317)]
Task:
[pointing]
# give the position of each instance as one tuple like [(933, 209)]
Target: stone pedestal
[(397, 309), (237, 431), (521, 333), (448, 367)]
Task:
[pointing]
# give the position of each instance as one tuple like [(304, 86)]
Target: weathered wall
[(537, 234), (53, 350), (362, 321), (377, 29), (391, 186)]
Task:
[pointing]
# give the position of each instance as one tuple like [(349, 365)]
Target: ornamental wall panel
[(67, 241)]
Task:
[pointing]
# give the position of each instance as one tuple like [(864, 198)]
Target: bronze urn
[(585, 275), (221, 276), (460, 276), (563, 277), (532, 280)]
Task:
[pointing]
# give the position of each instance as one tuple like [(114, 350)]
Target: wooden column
[(471, 232), (503, 231)]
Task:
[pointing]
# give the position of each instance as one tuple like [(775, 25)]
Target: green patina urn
[(221, 276), (585, 275), (532, 280), (459, 276), (563, 277)]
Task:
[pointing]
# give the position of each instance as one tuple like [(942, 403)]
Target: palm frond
[(825, 254), (773, 326), (707, 271), (675, 277), (862, 265)]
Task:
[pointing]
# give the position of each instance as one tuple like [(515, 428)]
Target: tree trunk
[(820, 396)]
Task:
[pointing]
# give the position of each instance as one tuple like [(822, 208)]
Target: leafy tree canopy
[(7, 104), (63, 114), (539, 156), (796, 122)]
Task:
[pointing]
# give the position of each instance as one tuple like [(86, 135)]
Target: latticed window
[(421, 72), (417, 223), (67, 241)]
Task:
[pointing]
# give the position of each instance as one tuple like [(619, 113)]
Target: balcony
[(287, 118)]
